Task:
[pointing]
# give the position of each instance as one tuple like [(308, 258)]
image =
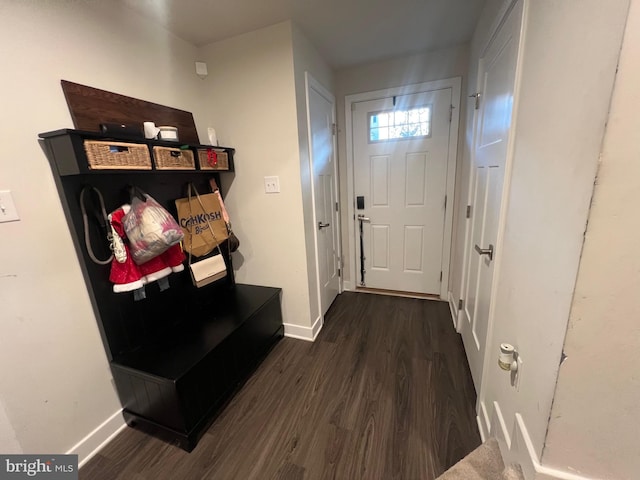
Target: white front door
[(401, 150), (321, 109), (496, 81)]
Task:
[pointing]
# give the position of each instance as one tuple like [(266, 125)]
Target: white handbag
[(208, 270)]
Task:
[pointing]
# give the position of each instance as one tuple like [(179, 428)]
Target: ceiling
[(347, 32)]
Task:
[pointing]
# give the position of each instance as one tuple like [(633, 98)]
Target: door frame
[(349, 106), (456, 312), (311, 83)]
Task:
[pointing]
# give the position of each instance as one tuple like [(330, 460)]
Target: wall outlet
[(272, 184), (8, 212)]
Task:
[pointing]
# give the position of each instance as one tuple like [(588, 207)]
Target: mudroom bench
[(174, 387), (178, 355)]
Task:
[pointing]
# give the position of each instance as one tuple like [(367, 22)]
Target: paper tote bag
[(196, 214)]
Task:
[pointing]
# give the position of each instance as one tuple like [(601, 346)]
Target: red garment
[(128, 276), (125, 276), (154, 269), (174, 258)]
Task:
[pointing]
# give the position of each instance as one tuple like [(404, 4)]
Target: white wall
[(426, 67), (250, 99), (55, 384), (306, 58), (596, 410)]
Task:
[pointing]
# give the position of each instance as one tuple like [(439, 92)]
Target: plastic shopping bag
[(151, 230)]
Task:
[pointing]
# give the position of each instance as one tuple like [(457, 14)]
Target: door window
[(400, 124)]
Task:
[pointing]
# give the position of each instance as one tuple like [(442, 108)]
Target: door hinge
[(460, 304), (339, 272), (334, 129), (336, 206), (468, 211), (445, 202), (477, 97), (451, 107), (441, 275)]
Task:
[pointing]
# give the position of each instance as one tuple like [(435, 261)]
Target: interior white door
[(401, 147), (496, 82), (321, 110)]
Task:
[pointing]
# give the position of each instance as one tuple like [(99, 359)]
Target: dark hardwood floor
[(384, 393)]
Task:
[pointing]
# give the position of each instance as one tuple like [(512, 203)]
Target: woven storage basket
[(103, 155), (168, 158), (221, 161)]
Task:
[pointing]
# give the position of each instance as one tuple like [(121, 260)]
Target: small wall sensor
[(201, 69), (506, 358)]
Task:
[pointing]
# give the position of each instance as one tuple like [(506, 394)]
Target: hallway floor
[(385, 392)]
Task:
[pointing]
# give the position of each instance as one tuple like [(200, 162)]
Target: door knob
[(485, 251), (323, 225), (363, 218)]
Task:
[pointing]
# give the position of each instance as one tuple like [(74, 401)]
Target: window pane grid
[(400, 124)]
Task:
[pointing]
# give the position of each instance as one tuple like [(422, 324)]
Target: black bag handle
[(136, 192), (101, 215)]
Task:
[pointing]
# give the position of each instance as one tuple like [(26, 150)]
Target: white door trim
[(349, 104), (459, 315), (311, 83)]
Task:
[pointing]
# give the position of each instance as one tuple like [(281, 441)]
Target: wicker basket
[(167, 158), (219, 161), (103, 155)]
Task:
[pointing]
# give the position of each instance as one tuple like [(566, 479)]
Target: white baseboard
[(454, 310), (304, 333), (348, 286), (483, 434), (484, 420), (517, 447), (531, 462), (459, 321), (10, 443), (498, 419), (98, 438)]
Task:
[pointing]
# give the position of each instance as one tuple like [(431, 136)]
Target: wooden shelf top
[(101, 136)]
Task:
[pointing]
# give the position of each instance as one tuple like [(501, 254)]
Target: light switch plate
[(8, 212), (272, 184)]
